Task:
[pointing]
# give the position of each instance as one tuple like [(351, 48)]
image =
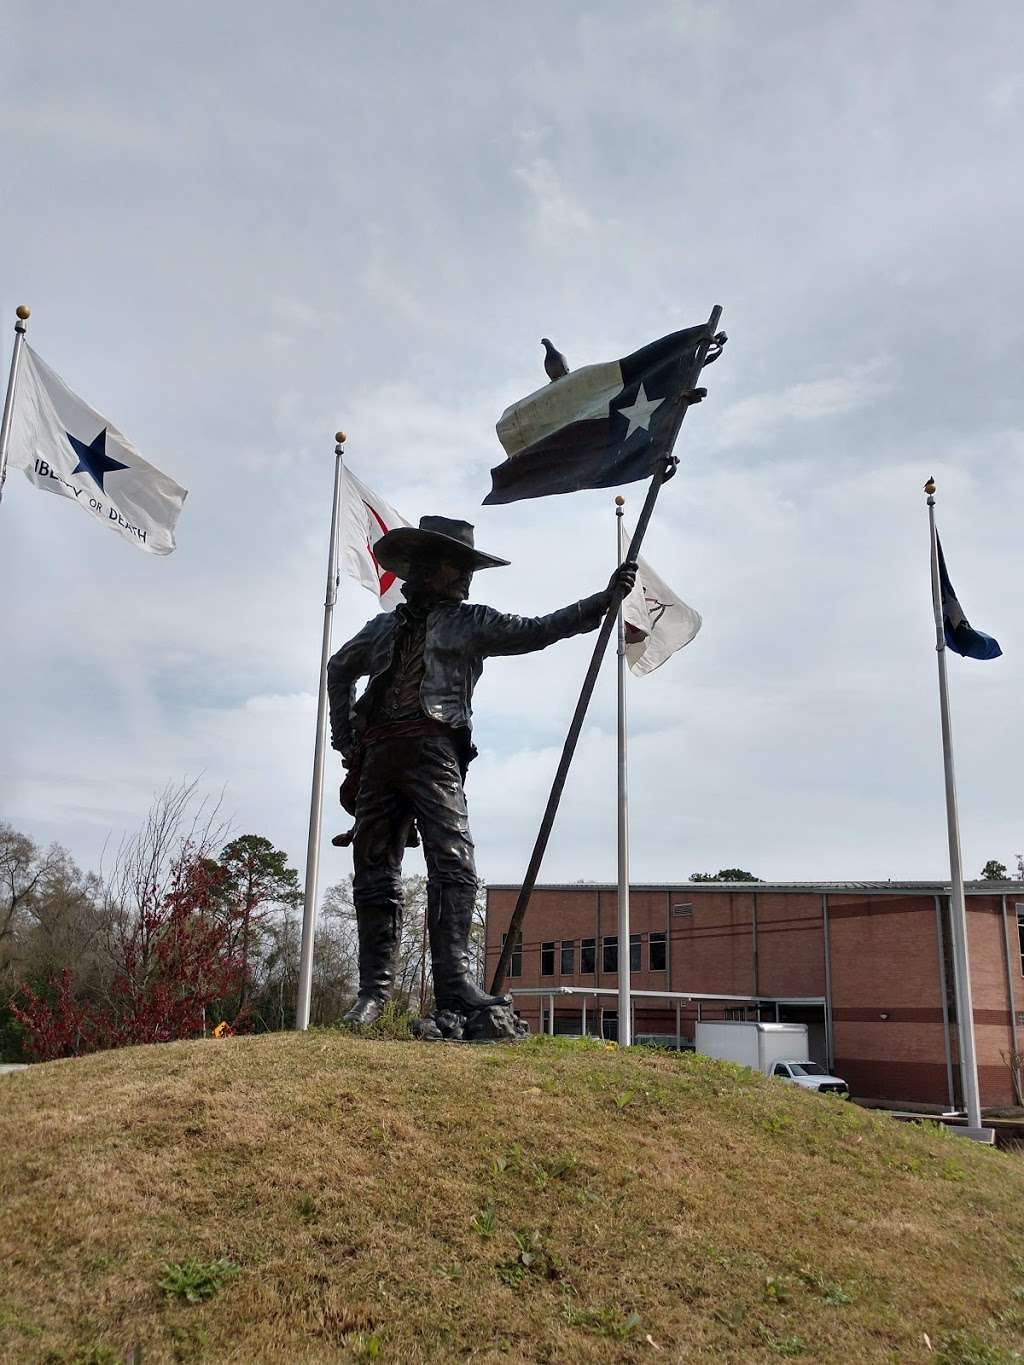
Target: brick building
[(867, 965)]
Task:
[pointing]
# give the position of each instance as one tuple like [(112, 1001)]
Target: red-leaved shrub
[(175, 964)]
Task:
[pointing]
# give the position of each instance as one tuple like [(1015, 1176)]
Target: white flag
[(364, 518), (67, 448), (657, 622)]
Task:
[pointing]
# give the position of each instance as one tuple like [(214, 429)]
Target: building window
[(657, 956), (610, 953), (588, 956), (1020, 933), (547, 959), (515, 962), (568, 957), (634, 952)]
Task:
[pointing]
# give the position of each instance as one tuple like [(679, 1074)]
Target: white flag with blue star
[(67, 448)]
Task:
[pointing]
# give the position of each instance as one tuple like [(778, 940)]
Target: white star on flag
[(568, 436), (639, 414)]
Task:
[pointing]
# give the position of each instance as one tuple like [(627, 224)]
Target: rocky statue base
[(493, 1024)]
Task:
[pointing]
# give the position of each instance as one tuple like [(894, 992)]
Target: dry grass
[(332, 1199)]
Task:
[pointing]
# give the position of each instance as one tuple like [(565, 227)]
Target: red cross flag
[(365, 516)]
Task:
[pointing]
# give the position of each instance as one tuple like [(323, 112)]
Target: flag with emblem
[(365, 517), (66, 447), (656, 622), (599, 426), (961, 637)]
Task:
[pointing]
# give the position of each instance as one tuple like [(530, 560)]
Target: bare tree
[(23, 869), (179, 820), (1015, 1062), (49, 911), (68, 923), (414, 984), (478, 936), (335, 963)]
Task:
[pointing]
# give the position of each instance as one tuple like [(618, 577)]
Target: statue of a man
[(407, 742)]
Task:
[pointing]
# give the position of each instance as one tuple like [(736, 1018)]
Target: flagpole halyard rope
[(23, 314), (590, 680)]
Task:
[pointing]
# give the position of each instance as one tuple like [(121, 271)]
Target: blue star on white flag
[(67, 448)]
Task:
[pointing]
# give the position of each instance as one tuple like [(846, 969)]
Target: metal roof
[(682, 996), (975, 888)]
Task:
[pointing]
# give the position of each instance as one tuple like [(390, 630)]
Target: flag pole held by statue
[(685, 397)]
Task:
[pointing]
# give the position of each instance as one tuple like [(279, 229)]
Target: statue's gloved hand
[(622, 580)]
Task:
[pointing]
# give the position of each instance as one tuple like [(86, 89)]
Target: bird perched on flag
[(555, 364), (600, 425)]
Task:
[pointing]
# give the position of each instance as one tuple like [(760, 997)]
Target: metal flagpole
[(317, 800), (625, 1013), (22, 313), (589, 682), (957, 904)]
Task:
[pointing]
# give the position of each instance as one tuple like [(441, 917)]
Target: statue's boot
[(380, 928), (449, 917)]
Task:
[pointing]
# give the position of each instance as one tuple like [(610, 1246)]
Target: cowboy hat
[(436, 538)]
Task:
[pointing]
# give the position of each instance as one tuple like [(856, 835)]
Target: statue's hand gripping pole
[(713, 343)]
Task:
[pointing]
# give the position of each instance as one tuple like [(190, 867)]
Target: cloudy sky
[(242, 226)]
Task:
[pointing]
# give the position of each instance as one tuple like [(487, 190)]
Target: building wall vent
[(679, 911)]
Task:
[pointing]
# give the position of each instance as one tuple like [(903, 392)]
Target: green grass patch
[(195, 1280), (328, 1196), (966, 1348)]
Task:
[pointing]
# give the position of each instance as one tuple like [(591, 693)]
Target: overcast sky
[(242, 226)]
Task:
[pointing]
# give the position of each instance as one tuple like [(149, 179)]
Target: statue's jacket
[(459, 636)]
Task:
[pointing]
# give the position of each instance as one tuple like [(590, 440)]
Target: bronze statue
[(407, 742)]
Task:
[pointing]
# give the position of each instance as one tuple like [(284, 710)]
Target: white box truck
[(778, 1050)]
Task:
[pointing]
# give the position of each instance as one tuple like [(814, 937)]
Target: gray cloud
[(239, 230)]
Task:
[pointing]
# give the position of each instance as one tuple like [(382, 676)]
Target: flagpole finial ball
[(620, 501), (22, 312), (340, 437), (929, 487)]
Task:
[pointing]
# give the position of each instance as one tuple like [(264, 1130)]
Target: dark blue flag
[(960, 637), (596, 427)]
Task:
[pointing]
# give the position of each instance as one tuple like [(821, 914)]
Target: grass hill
[(295, 1198)]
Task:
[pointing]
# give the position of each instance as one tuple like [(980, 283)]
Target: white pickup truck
[(767, 1048), (811, 1076)]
